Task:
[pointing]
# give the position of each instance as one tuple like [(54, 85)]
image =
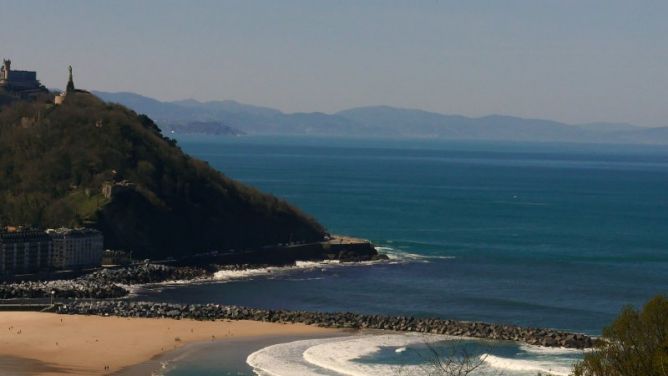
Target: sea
[(533, 234)]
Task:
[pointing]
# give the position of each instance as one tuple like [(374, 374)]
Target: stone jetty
[(146, 273), (533, 336), (101, 284), (113, 282)]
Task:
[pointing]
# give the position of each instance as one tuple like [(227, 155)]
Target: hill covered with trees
[(87, 162)]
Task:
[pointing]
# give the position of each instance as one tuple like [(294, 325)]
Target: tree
[(636, 344), (456, 360)]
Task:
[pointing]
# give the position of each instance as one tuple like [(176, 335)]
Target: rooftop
[(82, 231)]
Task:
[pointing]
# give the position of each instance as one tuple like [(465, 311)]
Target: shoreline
[(116, 282), (230, 354), (48, 344)]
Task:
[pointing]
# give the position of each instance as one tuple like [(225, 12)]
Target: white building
[(74, 248), (24, 251)]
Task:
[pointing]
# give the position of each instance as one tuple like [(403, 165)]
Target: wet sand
[(33, 343), (227, 358)]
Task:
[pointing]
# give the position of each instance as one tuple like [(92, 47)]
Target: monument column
[(70, 81)]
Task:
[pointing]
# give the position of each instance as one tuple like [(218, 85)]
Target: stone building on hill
[(18, 80)]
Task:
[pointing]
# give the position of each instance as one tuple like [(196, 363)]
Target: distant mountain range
[(216, 128), (376, 121)]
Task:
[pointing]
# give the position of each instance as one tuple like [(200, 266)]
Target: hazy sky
[(568, 60)]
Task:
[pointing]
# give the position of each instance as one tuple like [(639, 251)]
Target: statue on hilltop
[(70, 81), (59, 99)]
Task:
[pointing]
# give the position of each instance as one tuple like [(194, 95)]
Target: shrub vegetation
[(635, 344)]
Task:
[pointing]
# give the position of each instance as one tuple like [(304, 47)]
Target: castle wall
[(22, 76), (17, 79)]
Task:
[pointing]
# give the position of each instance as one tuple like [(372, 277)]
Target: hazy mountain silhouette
[(383, 121)]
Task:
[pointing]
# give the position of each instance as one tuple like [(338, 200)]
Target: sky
[(575, 61)]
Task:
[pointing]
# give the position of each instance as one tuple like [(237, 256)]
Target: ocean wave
[(397, 256), (229, 275), (252, 273), (328, 357), (287, 359), (315, 264), (552, 367), (270, 271), (323, 265), (540, 350), (343, 356), (340, 356)]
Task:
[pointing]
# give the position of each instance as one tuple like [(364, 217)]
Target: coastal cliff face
[(87, 162)]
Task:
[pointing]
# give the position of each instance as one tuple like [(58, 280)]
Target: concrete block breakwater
[(532, 336)]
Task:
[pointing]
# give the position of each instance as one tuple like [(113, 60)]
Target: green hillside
[(56, 160)]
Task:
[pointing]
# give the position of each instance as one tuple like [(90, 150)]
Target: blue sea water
[(547, 235)]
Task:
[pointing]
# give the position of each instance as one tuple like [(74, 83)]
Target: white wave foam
[(230, 275), (441, 257), (315, 264), (133, 290), (396, 255), (533, 366), (540, 350), (286, 359), (335, 356), (251, 273), (341, 356)]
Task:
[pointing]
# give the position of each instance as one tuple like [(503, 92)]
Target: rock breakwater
[(533, 336), (101, 284), (146, 273)]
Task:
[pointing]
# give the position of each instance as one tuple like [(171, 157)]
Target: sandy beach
[(34, 343)]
